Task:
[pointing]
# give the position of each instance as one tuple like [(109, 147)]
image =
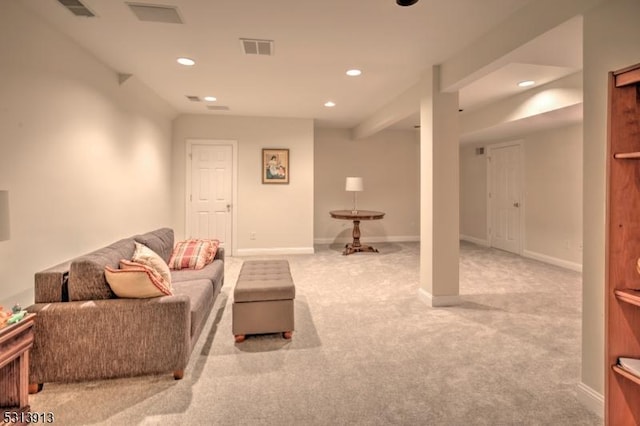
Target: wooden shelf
[(627, 374), (627, 155), (622, 305), (628, 296), (627, 76)]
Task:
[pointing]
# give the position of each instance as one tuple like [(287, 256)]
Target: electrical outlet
[(252, 235)]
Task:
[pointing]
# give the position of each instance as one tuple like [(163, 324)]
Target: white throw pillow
[(145, 256)]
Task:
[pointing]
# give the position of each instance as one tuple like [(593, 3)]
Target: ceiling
[(315, 42)]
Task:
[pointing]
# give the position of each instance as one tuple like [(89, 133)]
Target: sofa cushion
[(161, 241), (201, 298), (193, 254), (213, 272), (86, 273), (136, 281), (144, 255)]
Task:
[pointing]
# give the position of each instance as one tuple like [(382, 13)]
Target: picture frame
[(275, 165)]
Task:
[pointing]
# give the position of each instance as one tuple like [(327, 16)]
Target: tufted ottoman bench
[(263, 299)]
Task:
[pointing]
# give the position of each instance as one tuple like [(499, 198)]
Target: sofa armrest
[(99, 339), (50, 285), (219, 254)]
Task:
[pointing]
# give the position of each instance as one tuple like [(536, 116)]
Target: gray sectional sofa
[(84, 332)]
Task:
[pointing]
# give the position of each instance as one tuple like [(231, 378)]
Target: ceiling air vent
[(156, 13), (77, 8), (193, 98), (217, 108), (257, 47)]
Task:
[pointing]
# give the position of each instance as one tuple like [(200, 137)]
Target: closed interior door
[(504, 197), (210, 202)]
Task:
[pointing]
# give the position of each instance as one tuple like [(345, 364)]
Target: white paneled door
[(505, 197), (210, 200)]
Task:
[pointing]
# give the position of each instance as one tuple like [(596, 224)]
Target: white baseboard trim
[(591, 399), (474, 240), (274, 251), (438, 301), (552, 260), (367, 239)]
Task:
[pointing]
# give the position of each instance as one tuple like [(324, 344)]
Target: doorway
[(504, 198), (211, 176)]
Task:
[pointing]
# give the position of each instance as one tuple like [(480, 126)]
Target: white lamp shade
[(4, 215), (354, 184)]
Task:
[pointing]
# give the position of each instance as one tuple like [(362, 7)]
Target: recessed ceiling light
[(186, 61), (330, 104), (354, 73), (526, 83), (210, 98)]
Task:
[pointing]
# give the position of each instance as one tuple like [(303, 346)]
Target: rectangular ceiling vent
[(77, 8), (155, 13), (193, 98), (217, 108), (257, 47)]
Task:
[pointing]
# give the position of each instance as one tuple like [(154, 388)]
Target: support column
[(439, 193)]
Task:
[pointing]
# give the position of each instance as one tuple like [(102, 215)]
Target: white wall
[(473, 194), (389, 163), (552, 193), (611, 34), (281, 216), (86, 161)]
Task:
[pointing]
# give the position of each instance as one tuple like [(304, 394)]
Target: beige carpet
[(367, 351)]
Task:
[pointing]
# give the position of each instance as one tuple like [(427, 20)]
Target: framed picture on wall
[(275, 165)]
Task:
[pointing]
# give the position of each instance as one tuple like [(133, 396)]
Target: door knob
[(516, 204), (228, 207)]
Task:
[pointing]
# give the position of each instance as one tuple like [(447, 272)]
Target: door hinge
[(190, 197)]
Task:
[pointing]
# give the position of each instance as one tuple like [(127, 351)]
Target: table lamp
[(4, 215), (355, 185)]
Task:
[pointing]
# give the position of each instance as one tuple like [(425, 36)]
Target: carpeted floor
[(367, 351)]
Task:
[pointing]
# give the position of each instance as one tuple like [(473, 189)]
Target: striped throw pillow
[(193, 254)]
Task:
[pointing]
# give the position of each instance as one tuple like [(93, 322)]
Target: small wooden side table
[(356, 216), (15, 342)]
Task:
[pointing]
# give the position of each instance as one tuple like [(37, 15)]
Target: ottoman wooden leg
[(240, 338), (287, 334), (35, 387)]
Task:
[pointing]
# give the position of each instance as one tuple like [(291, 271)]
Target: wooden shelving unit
[(622, 303), (15, 342)]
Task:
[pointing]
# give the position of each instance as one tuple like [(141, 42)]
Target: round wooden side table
[(356, 216)]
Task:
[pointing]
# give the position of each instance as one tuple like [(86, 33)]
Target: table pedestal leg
[(355, 246)]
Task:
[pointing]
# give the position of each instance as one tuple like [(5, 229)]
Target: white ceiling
[(516, 129), (315, 43)]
